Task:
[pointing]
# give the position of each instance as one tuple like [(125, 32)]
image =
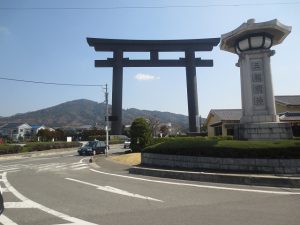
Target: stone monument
[(252, 42)]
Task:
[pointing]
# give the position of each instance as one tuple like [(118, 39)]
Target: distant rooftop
[(290, 100), (228, 114)]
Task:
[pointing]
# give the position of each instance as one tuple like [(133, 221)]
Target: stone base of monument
[(263, 131)]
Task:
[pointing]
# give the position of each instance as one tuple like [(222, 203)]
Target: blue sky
[(50, 45)]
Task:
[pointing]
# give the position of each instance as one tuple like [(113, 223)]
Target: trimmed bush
[(140, 134), (37, 146), (9, 149), (196, 146), (40, 146)]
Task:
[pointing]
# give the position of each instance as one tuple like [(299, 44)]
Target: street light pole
[(107, 122)]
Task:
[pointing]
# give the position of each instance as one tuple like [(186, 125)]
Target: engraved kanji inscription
[(259, 100), (257, 77), (258, 89)]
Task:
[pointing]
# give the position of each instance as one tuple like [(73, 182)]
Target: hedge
[(195, 146), (37, 146), (9, 149)]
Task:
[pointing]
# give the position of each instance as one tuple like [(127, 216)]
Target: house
[(16, 131), (37, 128), (220, 122), (287, 103)]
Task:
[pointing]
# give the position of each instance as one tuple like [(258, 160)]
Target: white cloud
[(145, 77)]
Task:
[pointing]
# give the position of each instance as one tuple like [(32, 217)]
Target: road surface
[(68, 190)]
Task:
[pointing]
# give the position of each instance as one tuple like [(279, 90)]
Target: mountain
[(86, 112)]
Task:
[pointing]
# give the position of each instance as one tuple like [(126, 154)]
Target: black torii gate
[(190, 62)]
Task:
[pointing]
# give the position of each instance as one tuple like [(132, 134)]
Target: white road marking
[(47, 166), (6, 221), (17, 205), (78, 165), (81, 168), (200, 186), (81, 161), (115, 190), (4, 190), (11, 169), (29, 203), (60, 166)]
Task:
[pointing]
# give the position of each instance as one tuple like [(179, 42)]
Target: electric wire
[(153, 7), (51, 83)]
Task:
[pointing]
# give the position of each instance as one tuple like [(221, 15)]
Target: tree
[(164, 130), (140, 133), (154, 124), (59, 135), (46, 134)]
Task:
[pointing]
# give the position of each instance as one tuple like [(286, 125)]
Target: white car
[(127, 143)]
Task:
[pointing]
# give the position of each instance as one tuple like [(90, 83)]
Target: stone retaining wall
[(274, 166)]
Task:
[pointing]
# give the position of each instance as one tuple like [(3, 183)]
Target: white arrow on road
[(115, 190)]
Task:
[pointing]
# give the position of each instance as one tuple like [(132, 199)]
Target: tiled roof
[(288, 99), (36, 126), (290, 116), (228, 114)]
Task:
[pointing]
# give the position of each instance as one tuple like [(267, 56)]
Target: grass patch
[(131, 159), (195, 146)]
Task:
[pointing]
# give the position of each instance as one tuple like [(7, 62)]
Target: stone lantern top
[(273, 28)]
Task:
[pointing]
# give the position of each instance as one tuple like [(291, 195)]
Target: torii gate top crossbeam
[(118, 46), (102, 44)]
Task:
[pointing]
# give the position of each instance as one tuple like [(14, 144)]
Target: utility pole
[(107, 122)]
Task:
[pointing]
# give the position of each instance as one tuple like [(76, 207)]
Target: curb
[(245, 179)]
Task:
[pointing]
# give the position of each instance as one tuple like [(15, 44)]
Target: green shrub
[(140, 133), (227, 148), (36, 146), (9, 149), (97, 137), (40, 146)]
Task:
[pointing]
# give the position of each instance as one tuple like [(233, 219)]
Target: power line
[(152, 7), (52, 83)]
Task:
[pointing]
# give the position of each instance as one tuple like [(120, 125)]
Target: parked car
[(92, 148), (127, 143)]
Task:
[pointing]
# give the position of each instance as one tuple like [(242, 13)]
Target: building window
[(230, 132)]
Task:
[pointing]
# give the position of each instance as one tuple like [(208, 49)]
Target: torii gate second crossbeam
[(190, 62)]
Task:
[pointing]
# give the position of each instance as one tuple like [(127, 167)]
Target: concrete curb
[(246, 179)]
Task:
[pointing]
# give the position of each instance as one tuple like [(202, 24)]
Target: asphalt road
[(67, 189)]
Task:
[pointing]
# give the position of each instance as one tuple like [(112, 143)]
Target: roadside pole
[(107, 122)]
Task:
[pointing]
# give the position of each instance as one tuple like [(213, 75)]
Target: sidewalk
[(220, 177)]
